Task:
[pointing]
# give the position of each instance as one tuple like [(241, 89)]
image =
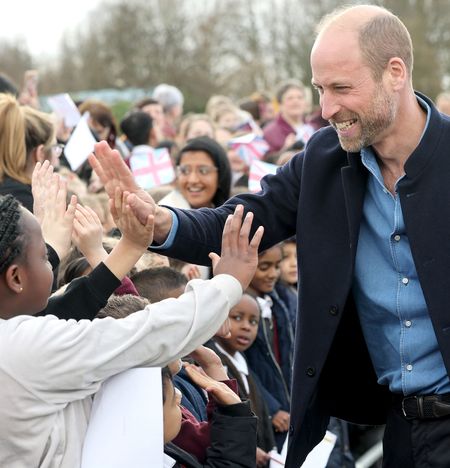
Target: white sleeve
[(69, 359)]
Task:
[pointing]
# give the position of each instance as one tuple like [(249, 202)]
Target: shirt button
[(408, 323), (397, 237), (409, 367), (405, 281), (310, 372)]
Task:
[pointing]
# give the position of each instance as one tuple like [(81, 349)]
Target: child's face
[(244, 320), (171, 412), (288, 265), (268, 271), (35, 271)]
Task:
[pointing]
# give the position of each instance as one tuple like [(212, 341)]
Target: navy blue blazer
[(318, 196)]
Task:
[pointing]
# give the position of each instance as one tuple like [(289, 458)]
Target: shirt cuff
[(172, 233)]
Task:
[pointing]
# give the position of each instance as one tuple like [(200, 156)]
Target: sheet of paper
[(317, 458), (126, 423), (80, 145), (63, 106)]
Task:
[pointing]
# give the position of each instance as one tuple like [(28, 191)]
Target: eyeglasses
[(199, 170), (57, 149)]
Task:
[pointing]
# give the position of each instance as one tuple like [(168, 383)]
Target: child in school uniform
[(50, 368), (270, 356), (244, 320)]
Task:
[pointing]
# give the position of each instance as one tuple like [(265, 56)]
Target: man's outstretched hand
[(113, 172)]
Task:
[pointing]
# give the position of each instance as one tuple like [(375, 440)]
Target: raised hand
[(56, 217), (239, 256), (114, 173), (41, 180), (88, 235), (133, 230), (135, 235)]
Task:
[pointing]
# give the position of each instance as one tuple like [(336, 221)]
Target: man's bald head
[(380, 34)]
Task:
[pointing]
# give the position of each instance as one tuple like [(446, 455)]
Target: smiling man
[(368, 200)]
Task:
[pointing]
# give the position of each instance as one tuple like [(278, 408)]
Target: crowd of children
[(105, 304)]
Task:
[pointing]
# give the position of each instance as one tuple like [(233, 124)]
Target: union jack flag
[(249, 147), (151, 167), (258, 170)]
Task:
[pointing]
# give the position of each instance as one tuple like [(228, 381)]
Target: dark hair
[(220, 160), (137, 127), (119, 307), (12, 239), (72, 269), (155, 284), (166, 377)]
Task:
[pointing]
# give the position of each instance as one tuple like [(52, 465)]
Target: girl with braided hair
[(50, 368), (26, 137)]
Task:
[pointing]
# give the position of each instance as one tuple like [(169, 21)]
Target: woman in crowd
[(27, 136), (203, 176)]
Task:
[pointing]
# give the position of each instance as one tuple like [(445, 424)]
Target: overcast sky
[(41, 23)]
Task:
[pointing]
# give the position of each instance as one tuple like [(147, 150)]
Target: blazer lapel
[(354, 185)]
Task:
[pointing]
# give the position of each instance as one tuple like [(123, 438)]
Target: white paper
[(317, 458), (80, 145), (63, 106), (126, 423)]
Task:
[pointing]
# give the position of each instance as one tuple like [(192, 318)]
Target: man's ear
[(397, 73), (14, 279)]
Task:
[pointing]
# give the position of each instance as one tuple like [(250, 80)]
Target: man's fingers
[(245, 232), (256, 240)]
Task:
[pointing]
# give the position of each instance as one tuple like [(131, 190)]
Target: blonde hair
[(22, 129)]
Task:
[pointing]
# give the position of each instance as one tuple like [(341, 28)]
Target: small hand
[(262, 458), (57, 222), (280, 421), (218, 390), (132, 229), (210, 362), (88, 235), (239, 257), (40, 183)]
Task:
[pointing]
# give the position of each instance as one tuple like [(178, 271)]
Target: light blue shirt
[(172, 233), (390, 302)]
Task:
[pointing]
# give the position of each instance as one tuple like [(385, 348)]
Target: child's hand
[(239, 257), (262, 458), (88, 235), (133, 231), (280, 421), (191, 271), (40, 184), (218, 390), (211, 364), (57, 217)]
